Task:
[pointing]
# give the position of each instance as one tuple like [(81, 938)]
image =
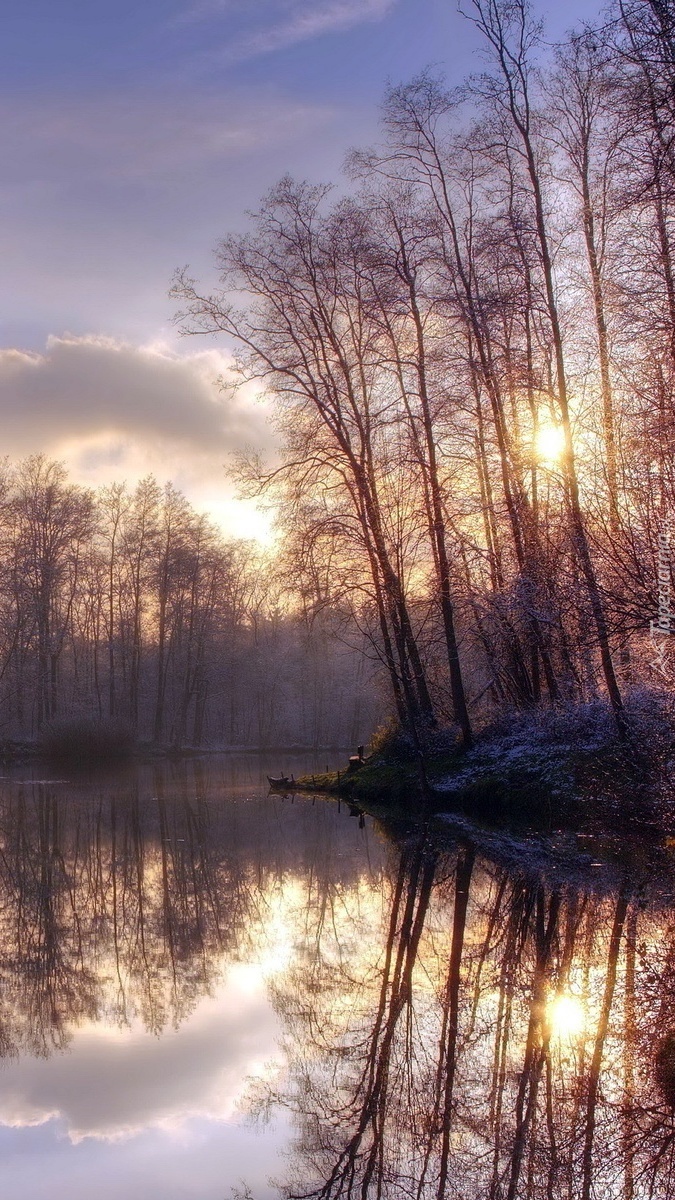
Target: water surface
[(208, 988)]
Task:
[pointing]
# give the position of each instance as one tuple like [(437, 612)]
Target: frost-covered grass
[(553, 768), (566, 766)]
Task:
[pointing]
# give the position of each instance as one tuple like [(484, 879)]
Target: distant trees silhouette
[(127, 606)]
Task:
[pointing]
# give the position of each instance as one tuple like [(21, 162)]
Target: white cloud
[(289, 22), (82, 387), (113, 411), (117, 1083)]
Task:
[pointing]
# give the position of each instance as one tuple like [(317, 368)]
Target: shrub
[(86, 740), (665, 1068), (393, 743), (390, 741)]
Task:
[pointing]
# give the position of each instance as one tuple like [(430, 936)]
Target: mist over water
[(412, 1012)]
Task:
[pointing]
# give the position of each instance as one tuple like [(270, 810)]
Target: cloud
[(114, 411), (289, 23), (83, 387), (117, 1083)]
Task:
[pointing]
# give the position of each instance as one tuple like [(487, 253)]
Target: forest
[(469, 345), (468, 350), (127, 609)]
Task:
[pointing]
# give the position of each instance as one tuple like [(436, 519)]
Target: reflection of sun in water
[(549, 443), (566, 1016)]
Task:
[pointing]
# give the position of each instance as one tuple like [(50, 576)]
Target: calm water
[(206, 988)]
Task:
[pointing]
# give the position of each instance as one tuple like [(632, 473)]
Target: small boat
[(282, 783)]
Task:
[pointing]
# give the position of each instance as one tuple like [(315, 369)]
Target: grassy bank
[(553, 770)]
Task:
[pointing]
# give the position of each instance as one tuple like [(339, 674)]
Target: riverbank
[(557, 770)]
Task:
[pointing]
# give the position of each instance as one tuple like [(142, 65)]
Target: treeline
[(473, 359), (127, 606)]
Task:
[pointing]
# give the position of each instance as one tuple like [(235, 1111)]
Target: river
[(209, 990)]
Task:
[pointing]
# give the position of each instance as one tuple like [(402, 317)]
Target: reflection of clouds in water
[(204, 1163), (169, 873), (115, 1083)]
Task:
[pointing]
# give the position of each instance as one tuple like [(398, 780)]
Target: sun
[(549, 442), (566, 1016)]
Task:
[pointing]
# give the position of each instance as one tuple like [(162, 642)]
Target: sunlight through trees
[(472, 357)]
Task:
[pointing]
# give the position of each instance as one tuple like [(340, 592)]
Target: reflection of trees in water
[(126, 900), (426, 1057), (498, 1040), (110, 906)]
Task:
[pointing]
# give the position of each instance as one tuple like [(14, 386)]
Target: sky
[(132, 137)]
